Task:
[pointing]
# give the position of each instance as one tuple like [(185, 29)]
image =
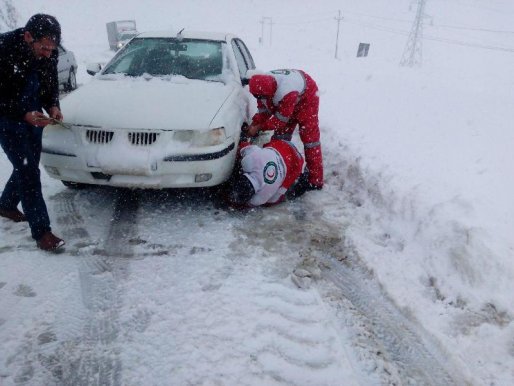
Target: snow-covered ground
[(418, 198)]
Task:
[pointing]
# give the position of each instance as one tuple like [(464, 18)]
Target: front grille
[(99, 136), (143, 138)]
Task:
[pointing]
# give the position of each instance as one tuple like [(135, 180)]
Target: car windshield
[(192, 58), (127, 36)]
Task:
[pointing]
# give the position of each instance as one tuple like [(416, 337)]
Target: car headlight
[(211, 137)]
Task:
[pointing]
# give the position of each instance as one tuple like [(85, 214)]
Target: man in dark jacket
[(28, 84)]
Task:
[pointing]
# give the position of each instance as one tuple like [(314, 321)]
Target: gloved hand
[(244, 133), (253, 130), (301, 186)]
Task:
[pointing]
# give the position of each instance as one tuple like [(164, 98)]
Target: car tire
[(73, 185), (71, 84)]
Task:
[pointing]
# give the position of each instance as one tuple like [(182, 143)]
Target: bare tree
[(8, 16)]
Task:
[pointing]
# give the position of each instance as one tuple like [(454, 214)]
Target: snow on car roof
[(187, 35)]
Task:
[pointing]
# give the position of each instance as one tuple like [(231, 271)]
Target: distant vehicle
[(120, 32), (67, 69), (165, 112)]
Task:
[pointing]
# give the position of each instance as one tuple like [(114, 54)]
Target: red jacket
[(288, 168), (286, 99), (292, 159)]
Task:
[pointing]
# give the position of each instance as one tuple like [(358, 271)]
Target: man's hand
[(55, 113), (253, 130), (36, 118), (301, 186)]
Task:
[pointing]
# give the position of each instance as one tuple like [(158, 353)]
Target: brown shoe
[(13, 214), (50, 242)]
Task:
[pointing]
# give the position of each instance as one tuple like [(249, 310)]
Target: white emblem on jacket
[(287, 81), (266, 171)]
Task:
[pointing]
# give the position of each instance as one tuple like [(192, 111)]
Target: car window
[(241, 62), (127, 36), (192, 58)]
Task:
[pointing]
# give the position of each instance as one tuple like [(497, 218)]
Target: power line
[(305, 21), (432, 38), (379, 17), (449, 26), (472, 28), (468, 44), (265, 20), (377, 27), (481, 7)]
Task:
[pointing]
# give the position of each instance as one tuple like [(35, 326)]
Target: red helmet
[(263, 85)]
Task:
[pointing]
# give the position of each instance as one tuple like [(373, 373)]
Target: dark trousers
[(21, 143)]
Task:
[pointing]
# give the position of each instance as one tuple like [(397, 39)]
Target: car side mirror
[(93, 68)]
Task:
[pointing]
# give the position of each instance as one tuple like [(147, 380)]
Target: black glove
[(244, 134), (301, 186)]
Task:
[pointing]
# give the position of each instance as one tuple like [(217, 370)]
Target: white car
[(67, 69), (165, 112)]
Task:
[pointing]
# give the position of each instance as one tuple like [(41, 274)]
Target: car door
[(244, 62), (246, 54), (243, 57)]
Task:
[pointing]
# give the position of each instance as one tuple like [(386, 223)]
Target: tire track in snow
[(402, 350), (89, 356), (98, 362), (89, 352), (293, 341), (416, 356), (224, 314), (396, 349)]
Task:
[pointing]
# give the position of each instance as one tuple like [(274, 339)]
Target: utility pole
[(338, 18), (270, 29), (269, 21), (262, 31), (412, 54)]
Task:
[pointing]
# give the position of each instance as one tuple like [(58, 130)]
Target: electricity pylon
[(412, 54)]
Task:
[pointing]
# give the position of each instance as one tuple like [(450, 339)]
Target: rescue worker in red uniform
[(286, 99), (266, 174)]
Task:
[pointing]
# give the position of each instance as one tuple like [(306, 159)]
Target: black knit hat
[(242, 191), (41, 25)]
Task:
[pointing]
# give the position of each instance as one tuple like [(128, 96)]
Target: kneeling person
[(266, 173)]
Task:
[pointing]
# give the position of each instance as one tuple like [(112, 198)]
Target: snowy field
[(409, 248)]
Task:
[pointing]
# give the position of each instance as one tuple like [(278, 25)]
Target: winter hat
[(242, 191), (263, 85), (44, 26)]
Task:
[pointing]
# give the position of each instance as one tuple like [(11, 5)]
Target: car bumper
[(206, 169)]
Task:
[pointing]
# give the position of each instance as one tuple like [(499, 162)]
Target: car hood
[(137, 103)]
